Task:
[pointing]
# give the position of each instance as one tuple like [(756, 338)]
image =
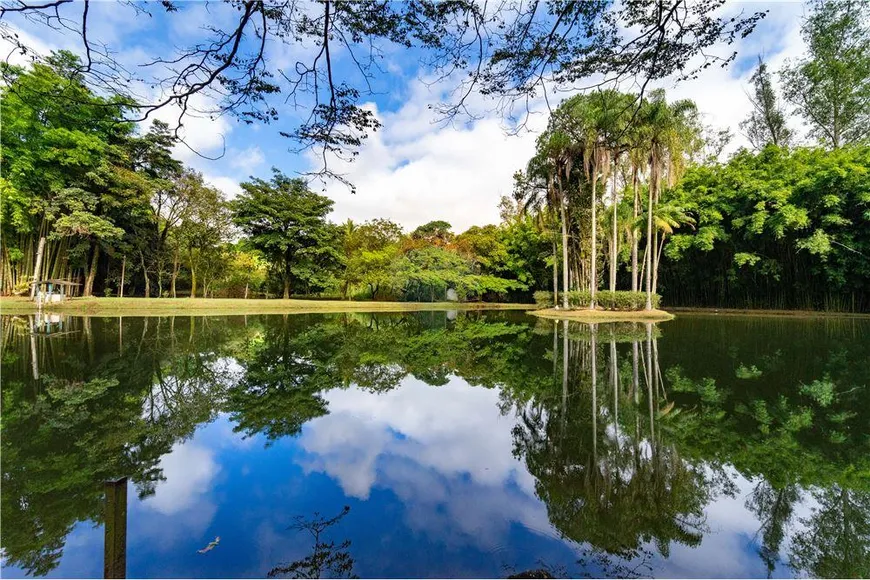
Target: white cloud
[(228, 185), (423, 443), (189, 470), (246, 159)]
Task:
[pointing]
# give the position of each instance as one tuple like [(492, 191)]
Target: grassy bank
[(582, 315), (761, 312), (224, 306)]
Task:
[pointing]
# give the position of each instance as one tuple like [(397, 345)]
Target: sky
[(414, 169)]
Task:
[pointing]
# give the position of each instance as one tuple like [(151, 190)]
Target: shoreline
[(766, 312), (97, 306), (585, 315)]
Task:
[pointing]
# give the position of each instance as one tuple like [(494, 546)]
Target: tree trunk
[(37, 272), (564, 251), (246, 290), (192, 281), (593, 272), (175, 267), (555, 272), (661, 245), (649, 240), (123, 274), (634, 280), (286, 286), (92, 272), (145, 274), (613, 241)]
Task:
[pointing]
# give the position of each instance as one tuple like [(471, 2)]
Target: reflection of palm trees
[(326, 560), (599, 488)]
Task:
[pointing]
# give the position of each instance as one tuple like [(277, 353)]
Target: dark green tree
[(285, 221)]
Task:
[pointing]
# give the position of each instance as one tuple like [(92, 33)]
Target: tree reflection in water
[(327, 559), (628, 445)]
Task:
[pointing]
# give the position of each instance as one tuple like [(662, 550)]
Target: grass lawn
[(586, 315), (224, 306)]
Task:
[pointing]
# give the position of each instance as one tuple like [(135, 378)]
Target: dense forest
[(625, 192)]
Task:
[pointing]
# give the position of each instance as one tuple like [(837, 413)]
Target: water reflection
[(471, 444)]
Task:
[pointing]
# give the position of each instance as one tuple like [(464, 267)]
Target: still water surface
[(434, 445)]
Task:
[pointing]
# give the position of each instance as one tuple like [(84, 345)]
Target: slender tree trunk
[(634, 280), (661, 245), (555, 273), (192, 281), (564, 250), (175, 268), (593, 271), (37, 272), (246, 290), (287, 275), (92, 272), (145, 274), (613, 240), (123, 275), (649, 240)]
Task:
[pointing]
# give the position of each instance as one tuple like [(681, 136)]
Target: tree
[(830, 87), (205, 228), (766, 123), (247, 271), (435, 232), (283, 219)]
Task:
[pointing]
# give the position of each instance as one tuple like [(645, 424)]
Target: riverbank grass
[(227, 306)]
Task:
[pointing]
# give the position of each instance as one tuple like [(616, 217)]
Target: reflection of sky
[(430, 478)]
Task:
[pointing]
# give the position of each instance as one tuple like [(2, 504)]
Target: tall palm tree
[(670, 131), (544, 191)]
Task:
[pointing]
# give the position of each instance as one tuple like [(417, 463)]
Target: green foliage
[(606, 300), (544, 299), (821, 391), (786, 229), (286, 222)]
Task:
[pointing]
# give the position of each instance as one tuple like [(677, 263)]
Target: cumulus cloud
[(423, 444), (189, 471)]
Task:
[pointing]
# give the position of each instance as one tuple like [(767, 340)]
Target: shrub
[(543, 299), (605, 299)]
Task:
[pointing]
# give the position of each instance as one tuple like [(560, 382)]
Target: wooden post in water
[(115, 542)]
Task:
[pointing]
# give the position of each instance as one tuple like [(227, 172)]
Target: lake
[(434, 444)]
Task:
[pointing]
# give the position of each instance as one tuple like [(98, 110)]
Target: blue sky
[(413, 170)]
